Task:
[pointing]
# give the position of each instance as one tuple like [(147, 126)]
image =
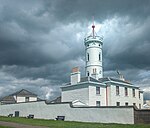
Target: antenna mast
[(93, 26)]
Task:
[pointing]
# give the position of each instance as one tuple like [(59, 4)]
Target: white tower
[(93, 55)]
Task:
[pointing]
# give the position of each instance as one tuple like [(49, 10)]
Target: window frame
[(134, 104), (126, 104), (117, 90), (117, 103), (27, 99), (98, 90), (98, 103), (88, 73), (126, 91), (133, 92), (88, 57), (99, 57), (139, 95)]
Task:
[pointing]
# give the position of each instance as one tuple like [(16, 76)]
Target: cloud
[(40, 41), (46, 89), (127, 45)]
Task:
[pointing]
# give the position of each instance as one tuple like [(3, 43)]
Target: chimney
[(122, 77), (75, 76)]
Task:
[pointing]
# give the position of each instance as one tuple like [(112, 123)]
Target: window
[(117, 90), (26, 99), (117, 103), (97, 90), (139, 95), (126, 103), (94, 71), (139, 106), (133, 92), (88, 74), (99, 72), (134, 104), (99, 56), (88, 57), (98, 103), (126, 91)]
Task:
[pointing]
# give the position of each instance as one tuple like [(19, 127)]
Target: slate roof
[(106, 79), (8, 100), (23, 93), (103, 80), (84, 79)]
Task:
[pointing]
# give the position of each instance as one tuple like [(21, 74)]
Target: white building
[(19, 97), (94, 89)]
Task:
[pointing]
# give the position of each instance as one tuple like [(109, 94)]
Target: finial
[(93, 26)]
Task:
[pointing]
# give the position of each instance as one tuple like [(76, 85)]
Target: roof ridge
[(16, 93)]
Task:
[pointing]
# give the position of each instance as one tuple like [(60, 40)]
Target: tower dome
[(93, 55)]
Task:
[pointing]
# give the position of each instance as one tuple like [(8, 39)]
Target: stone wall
[(142, 116), (124, 115)]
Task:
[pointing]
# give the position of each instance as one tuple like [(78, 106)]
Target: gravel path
[(17, 125)]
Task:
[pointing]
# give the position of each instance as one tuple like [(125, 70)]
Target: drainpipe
[(106, 95)]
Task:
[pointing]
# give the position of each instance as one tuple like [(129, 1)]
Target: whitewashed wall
[(41, 110), (81, 94), (113, 98), (32, 98), (93, 97), (88, 96), (22, 99)]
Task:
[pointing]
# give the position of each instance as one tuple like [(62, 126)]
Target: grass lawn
[(5, 127), (68, 124)]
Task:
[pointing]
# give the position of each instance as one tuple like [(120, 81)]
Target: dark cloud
[(40, 41), (131, 47), (85, 9)]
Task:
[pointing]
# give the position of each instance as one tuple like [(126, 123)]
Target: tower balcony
[(89, 39)]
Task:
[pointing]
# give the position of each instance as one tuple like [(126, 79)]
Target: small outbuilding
[(19, 97)]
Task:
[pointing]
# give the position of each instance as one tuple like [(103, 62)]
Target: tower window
[(94, 70), (88, 57), (88, 74), (99, 56)]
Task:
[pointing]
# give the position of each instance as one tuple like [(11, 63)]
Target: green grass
[(68, 124), (4, 127)]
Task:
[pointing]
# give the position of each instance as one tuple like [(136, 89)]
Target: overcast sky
[(42, 40)]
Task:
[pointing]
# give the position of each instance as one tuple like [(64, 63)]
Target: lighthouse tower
[(93, 55)]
